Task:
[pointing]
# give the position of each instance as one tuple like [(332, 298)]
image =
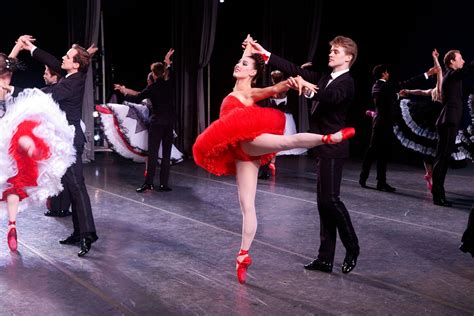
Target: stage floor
[(174, 252)]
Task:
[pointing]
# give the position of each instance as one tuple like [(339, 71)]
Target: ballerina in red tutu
[(247, 136)]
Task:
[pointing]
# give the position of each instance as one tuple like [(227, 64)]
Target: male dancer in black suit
[(385, 96), (69, 93), (163, 117), (448, 121), (328, 115)]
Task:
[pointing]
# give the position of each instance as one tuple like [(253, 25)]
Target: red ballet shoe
[(243, 265), (429, 183), (272, 168), (11, 236), (346, 133)]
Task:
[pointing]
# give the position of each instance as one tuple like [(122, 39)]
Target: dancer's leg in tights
[(270, 143), (247, 176), (13, 201)]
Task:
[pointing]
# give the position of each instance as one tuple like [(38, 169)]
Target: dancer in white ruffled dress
[(35, 147)]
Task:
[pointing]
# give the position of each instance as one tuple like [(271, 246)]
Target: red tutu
[(27, 166), (218, 147)]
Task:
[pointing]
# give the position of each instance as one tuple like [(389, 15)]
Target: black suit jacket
[(68, 93), (384, 99), (384, 94), (452, 95), (161, 95), (334, 101)]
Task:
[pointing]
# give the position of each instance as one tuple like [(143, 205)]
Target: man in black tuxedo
[(385, 96), (448, 121), (328, 115), (163, 117), (380, 141), (69, 93)]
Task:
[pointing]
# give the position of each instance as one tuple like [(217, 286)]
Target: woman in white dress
[(36, 147)]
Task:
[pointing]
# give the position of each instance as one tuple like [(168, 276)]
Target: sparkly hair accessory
[(8, 64)]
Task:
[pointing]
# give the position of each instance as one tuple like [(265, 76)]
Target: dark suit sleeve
[(145, 93), (64, 91), (413, 81), (293, 70), (336, 94), (49, 60)]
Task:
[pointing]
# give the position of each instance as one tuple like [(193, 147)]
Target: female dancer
[(417, 129), (32, 128), (246, 136)]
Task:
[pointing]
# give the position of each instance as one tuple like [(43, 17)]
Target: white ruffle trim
[(54, 129), (137, 141)]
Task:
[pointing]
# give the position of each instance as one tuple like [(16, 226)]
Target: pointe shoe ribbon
[(346, 133), (243, 265)]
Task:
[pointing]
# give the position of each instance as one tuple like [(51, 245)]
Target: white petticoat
[(290, 129), (33, 104), (124, 136)]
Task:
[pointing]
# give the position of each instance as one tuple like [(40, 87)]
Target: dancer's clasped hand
[(301, 85)]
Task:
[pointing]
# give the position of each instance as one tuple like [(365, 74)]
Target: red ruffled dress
[(27, 166), (218, 147)]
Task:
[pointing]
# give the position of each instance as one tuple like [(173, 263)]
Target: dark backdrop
[(137, 33)]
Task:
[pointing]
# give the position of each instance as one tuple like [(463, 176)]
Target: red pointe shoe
[(429, 184), (243, 265), (11, 236), (346, 133), (272, 168)]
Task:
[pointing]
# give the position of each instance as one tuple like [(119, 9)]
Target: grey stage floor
[(174, 253)]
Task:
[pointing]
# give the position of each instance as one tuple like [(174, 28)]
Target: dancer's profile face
[(245, 68), (68, 60), (338, 57)]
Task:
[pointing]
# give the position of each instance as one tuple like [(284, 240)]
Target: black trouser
[(446, 142), (61, 202), (379, 149), (334, 216), (468, 236), (159, 134), (73, 180)]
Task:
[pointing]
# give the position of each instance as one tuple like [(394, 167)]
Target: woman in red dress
[(247, 136)]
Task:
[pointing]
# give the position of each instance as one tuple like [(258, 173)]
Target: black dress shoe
[(349, 262), (60, 213), (319, 265), (71, 240), (363, 183), (145, 187), (385, 187), (442, 202), (467, 247), (164, 188), (86, 244)]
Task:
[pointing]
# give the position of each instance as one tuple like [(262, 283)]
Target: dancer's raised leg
[(270, 143)]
